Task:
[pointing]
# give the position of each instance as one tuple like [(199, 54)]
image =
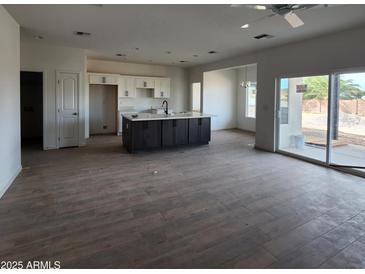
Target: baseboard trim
[(264, 149), (8, 184)]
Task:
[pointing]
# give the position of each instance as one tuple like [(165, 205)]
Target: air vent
[(263, 36), (82, 33)]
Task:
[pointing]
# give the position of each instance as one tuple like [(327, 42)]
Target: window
[(284, 101), (196, 94), (251, 99)]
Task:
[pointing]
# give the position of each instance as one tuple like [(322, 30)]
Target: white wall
[(103, 109), (219, 98), (10, 160), (179, 99), (315, 56), (39, 56), (246, 73)]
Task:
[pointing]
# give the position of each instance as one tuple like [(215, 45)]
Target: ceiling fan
[(285, 10)]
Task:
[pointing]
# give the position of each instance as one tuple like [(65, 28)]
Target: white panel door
[(68, 108)]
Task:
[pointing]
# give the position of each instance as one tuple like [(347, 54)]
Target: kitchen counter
[(152, 117), (159, 131)]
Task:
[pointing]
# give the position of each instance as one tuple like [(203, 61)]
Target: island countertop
[(151, 117)]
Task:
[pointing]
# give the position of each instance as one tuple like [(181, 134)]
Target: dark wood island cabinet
[(153, 131)]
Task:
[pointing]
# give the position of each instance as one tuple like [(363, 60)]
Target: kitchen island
[(157, 131)]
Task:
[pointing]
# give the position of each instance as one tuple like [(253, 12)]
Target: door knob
[(75, 113)]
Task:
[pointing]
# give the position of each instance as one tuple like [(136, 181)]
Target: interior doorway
[(103, 109), (196, 97), (31, 108)]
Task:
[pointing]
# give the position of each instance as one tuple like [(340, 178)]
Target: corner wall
[(10, 159)]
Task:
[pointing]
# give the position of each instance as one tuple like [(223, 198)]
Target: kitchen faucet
[(167, 107)]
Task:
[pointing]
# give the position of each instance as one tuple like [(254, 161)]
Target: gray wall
[(315, 56), (10, 164)]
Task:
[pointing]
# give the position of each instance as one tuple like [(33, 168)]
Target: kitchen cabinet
[(145, 83), (199, 131), (162, 88), (175, 132), (103, 79), (127, 133), (147, 134), (126, 87), (164, 133)]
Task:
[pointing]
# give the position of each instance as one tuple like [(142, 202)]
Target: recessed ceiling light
[(82, 33), (245, 26), (136, 48), (121, 54), (38, 37), (182, 61), (259, 7), (168, 52), (212, 52)]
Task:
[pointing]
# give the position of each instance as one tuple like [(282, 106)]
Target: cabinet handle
[(161, 93), (103, 79), (126, 93), (199, 121), (144, 83)]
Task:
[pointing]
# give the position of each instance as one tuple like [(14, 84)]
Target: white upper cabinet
[(103, 79), (162, 88), (145, 83), (126, 87)]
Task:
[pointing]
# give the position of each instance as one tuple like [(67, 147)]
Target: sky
[(359, 78)]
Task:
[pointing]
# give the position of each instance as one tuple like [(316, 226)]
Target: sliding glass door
[(322, 118), (347, 144), (303, 116)]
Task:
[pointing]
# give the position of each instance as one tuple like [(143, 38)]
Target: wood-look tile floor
[(224, 205)]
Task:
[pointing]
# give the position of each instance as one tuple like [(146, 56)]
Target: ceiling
[(188, 32)]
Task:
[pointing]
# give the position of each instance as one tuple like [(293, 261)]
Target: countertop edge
[(166, 118)]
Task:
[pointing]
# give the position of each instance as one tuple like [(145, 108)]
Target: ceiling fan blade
[(293, 20), (255, 7)]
